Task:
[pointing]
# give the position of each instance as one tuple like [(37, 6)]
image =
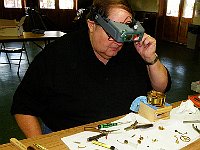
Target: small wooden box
[(153, 113)]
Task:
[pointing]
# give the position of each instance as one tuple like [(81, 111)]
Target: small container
[(156, 98)]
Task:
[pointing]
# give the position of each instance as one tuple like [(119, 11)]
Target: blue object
[(136, 103), (45, 129)]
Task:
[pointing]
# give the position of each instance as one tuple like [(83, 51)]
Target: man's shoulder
[(71, 40), (67, 49)]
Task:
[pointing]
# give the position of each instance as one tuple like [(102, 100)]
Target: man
[(86, 76)]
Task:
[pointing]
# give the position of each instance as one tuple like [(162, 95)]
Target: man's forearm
[(29, 125), (158, 76)]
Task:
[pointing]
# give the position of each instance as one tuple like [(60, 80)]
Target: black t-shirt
[(66, 85)]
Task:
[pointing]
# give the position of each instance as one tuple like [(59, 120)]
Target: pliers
[(96, 137), (195, 128)]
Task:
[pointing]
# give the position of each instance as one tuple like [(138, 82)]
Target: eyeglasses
[(109, 36)]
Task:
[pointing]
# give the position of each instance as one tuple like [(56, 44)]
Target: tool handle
[(96, 137), (103, 145), (107, 125), (18, 144), (144, 126)]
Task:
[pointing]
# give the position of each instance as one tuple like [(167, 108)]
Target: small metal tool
[(39, 146), (144, 126), (191, 121), (97, 130), (185, 138), (93, 129), (195, 128), (136, 126), (96, 137), (131, 126)]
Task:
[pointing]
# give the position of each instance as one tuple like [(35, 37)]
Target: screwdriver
[(107, 125), (104, 145)]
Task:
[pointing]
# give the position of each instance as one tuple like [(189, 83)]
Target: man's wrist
[(153, 61)]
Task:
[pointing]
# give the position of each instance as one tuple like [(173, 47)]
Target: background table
[(29, 36), (32, 37)]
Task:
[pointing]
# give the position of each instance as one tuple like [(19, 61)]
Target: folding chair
[(9, 50)]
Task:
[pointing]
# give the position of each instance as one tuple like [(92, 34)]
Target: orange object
[(195, 99)]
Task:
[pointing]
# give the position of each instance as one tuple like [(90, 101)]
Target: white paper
[(153, 137)]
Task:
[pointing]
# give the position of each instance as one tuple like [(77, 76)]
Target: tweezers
[(136, 126)]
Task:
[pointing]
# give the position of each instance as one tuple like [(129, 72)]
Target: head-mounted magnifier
[(119, 31)]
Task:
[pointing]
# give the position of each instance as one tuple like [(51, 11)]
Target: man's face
[(104, 46)]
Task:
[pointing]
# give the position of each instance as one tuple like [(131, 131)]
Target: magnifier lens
[(136, 37), (128, 37)]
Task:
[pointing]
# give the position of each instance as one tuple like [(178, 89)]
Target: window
[(12, 4), (44, 4), (173, 8), (47, 4), (188, 8), (66, 4)]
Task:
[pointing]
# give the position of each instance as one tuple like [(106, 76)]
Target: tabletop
[(53, 141), (29, 36)]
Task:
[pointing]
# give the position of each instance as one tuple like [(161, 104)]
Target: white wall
[(145, 5)]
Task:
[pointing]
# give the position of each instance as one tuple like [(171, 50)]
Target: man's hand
[(147, 48)]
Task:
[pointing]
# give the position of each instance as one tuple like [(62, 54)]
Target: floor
[(182, 63)]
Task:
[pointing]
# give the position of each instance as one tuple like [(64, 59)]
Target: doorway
[(178, 14)]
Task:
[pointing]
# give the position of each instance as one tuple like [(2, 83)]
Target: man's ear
[(91, 25)]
